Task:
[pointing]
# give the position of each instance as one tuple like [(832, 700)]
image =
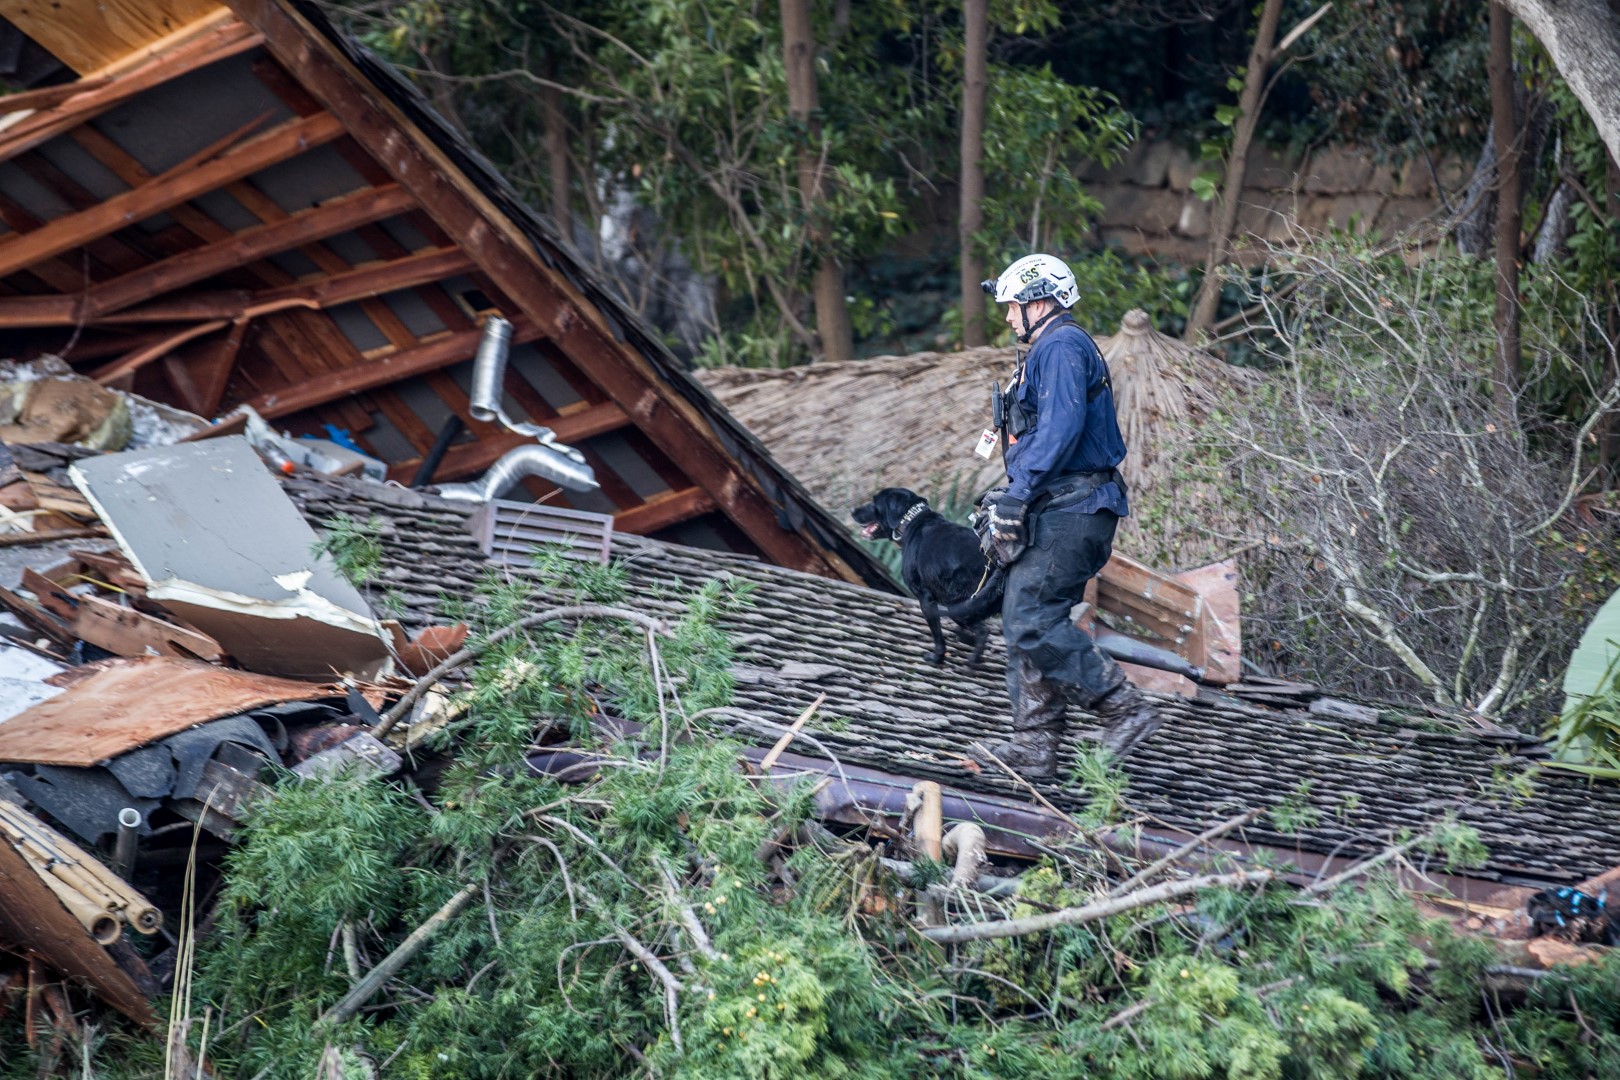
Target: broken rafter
[(186, 181), (663, 510), (94, 96), (416, 269), (250, 245), (431, 355)]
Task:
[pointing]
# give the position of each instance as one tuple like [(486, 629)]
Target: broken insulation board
[(225, 550)]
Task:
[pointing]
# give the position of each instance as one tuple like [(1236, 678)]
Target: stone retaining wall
[(1149, 208)]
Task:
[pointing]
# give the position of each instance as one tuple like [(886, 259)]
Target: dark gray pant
[(1066, 550)]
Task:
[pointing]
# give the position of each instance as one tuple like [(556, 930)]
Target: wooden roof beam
[(92, 97), (186, 181), (18, 312), (663, 510), (554, 305), (249, 245), (431, 355)]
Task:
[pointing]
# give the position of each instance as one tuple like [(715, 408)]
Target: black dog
[(940, 562)]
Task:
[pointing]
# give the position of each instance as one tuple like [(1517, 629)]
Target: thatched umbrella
[(846, 429), (1164, 390)]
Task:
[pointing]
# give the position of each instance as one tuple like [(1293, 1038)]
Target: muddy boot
[(1037, 723), (1128, 718)]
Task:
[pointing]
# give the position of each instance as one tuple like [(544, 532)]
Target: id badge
[(987, 444)]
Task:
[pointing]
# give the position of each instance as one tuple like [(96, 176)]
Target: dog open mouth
[(870, 531)]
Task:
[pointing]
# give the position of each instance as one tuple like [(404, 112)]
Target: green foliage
[(354, 546), (1037, 128), (811, 973), (1587, 733), (1405, 77)]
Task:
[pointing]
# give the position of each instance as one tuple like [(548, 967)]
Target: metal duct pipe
[(552, 460), (546, 460), (129, 824), (489, 379), (1128, 649)]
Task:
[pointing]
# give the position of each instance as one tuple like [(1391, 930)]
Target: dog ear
[(891, 504)]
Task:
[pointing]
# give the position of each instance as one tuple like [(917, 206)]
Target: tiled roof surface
[(887, 709)]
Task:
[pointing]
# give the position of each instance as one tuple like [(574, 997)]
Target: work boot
[(1128, 718), (1037, 723)]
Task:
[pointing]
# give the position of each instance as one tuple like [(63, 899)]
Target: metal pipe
[(430, 464), (1132, 651), (129, 824), (486, 403), (489, 369), (545, 460)]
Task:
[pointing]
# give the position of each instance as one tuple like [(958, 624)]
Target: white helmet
[(1035, 277)]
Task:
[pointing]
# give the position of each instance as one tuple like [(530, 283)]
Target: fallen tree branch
[(390, 964), (788, 736), (1360, 868), (456, 659), (1089, 913), (1145, 875), (1127, 1014)]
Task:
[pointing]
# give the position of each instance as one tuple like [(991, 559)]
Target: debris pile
[(171, 630)]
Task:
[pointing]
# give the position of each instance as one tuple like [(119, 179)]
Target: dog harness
[(906, 519)]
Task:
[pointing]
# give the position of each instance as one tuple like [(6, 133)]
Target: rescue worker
[(1053, 524)]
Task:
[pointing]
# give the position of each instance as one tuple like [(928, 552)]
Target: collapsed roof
[(241, 205), (1357, 774)]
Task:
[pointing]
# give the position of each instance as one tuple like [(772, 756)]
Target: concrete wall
[(1149, 209)]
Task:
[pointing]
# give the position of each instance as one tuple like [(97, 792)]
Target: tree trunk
[(1254, 81), (1609, 437), (1583, 39), (1509, 204), (799, 57), (1476, 209), (556, 141), (975, 79)]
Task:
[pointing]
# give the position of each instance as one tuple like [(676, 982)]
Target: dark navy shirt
[(1065, 388)]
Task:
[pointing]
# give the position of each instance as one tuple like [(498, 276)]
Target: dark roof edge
[(796, 509)]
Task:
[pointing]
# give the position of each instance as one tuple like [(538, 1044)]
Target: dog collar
[(906, 519)]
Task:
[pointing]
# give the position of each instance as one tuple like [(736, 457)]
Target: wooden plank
[(134, 702), (473, 458), (35, 618), (120, 251), (57, 273), (663, 510), (351, 285), (542, 292), (99, 94), (170, 189), (126, 632), (429, 356), (48, 97), (131, 362), (89, 35), (374, 280), (249, 245)]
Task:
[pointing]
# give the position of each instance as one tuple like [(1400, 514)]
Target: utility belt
[(1072, 488)]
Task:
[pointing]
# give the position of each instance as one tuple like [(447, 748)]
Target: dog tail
[(982, 604)]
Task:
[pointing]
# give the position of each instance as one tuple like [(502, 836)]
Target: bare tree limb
[(1101, 909)]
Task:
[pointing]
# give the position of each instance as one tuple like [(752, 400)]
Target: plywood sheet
[(128, 705), (88, 35)]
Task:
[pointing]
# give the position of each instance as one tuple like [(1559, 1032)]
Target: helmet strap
[(1029, 330)]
